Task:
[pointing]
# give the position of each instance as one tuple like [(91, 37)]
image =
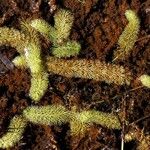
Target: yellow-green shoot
[(129, 36), (59, 34), (14, 133), (79, 121)]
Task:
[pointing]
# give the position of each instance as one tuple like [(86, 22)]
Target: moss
[(128, 37), (39, 85), (48, 115), (90, 69), (79, 121), (145, 79), (14, 133), (14, 38), (59, 34)]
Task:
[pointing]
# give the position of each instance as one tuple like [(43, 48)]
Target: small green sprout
[(59, 34), (79, 121), (14, 133), (128, 37), (27, 44), (14, 38), (89, 69), (145, 79)]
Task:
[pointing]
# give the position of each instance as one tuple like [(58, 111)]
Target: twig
[(128, 91), (141, 119), (143, 38)]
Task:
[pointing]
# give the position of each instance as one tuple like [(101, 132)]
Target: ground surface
[(97, 27)]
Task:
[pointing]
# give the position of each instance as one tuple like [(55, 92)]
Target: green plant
[(128, 37), (138, 135), (59, 34), (88, 69), (49, 115), (30, 57), (14, 133), (145, 79), (79, 121), (56, 115), (27, 44), (14, 38)]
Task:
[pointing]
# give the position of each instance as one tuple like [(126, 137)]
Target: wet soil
[(97, 26)]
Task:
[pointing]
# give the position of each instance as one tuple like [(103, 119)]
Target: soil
[(97, 26)]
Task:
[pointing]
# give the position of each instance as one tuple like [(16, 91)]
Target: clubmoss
[(48, 115), (59, 34), (90, 69), (145, 79), (43, 27), (14, 38), (39, 85), (30, 57), (63, 24), (128, 37), (39, 80), (79, 121), (32, 49), (14, 133), (28, 45), (56, 115), (20, 61), (70, 48)]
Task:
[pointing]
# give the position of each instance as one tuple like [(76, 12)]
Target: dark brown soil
[(97, 26)]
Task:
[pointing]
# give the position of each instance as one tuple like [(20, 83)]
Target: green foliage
[(14, 133), (20, 61), (70, 48), (39, 85), (129, 36), (27, 44), (63, 24), (43, 27), (48, 115), (14, 38), (32, 49), (39, 81), (59, 34), (105, 119), (79, 121), (32, 56), (56, 115), (145, 79), (89, 69)]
